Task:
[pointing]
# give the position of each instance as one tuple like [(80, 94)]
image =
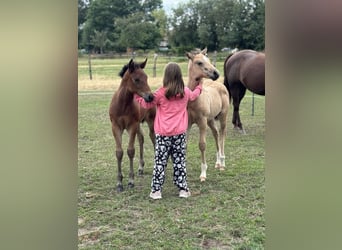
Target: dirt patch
[(91, 236), (213, 244)]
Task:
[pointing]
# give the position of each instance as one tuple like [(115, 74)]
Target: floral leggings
[(174, 146)]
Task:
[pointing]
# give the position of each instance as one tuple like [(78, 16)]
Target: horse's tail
[(225, 82)]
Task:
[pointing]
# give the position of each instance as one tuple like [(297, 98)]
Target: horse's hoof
[(130, 185), (240, 130), (221, 168), (217, 166), (202, 179), (140, 172), (119, 188)]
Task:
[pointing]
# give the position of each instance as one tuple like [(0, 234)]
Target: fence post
[(155, 64), (89, 64), (252, 104)]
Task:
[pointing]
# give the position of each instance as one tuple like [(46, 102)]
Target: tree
[(82, 12), (160, 20), (183, 35), (148, 6), (219, 23), (102, 15), (258, 24), (207, 24), (196, 24), (223, 22), (99, 40), (137, 33), (249, 25)]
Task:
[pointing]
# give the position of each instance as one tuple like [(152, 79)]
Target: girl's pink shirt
[(171, 116)]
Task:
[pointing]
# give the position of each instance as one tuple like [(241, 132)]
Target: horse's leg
[(117, 133), (242, 93), (222, 137), (234, 95), (151, 132), (202, 125), (237, 94), (131, 152), (188, 135), (141, 148), (150, 122), (212, 126)]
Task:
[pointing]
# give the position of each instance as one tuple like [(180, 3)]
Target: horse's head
[(200, 66), (135, 79)]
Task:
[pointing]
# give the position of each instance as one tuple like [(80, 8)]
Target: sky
[(169, 4)]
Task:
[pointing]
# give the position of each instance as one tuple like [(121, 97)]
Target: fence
[(159, 61), (160, 57)]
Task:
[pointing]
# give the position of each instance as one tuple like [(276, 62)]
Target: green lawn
[(109, 68), (224, 212)]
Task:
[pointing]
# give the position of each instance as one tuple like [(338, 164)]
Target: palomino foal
[(212, 105)]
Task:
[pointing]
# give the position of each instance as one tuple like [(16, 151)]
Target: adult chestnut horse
[(243, 70), (126, 114), (212, 105)]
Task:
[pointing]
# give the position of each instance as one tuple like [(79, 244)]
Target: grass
[(108, 69), (224, 212)]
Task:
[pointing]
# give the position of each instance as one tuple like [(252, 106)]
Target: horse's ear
[(131, 66), (189, 55), (204, 52), (143, 64)]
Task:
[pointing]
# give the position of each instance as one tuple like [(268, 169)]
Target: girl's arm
[(196, 92), (142, 103)]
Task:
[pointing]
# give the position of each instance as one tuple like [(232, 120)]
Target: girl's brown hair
[(173, 81)]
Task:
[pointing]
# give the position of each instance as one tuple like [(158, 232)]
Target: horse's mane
[(125, 67), (123, 70)]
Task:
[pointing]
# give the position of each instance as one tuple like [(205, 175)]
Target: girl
[(170, 126)]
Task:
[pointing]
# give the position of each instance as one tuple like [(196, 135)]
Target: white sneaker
[(156, 195), (184, 194)]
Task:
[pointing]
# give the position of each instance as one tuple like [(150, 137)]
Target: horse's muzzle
[(215, 75), (148, 97)]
